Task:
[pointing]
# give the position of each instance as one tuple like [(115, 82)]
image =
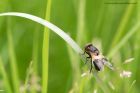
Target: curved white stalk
[(51, 26)]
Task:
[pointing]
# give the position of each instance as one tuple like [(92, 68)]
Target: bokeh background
[(110, 25)]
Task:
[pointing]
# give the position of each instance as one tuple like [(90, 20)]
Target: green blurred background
[(86, 21)]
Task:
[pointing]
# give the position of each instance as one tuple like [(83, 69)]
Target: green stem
[(124, 40), (5, 77), (81, 22), (13, 62), (45, 51), (35, 50), (123, 24)]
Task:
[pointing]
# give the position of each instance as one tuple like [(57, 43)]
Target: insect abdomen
[(98, 64)]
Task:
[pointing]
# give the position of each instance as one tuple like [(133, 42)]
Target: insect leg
[(90, 67), (87, 59), (83, 53)]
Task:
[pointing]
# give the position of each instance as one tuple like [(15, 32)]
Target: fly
[(96, 58)]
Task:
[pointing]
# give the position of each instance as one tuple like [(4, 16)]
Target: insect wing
[(98, 64), (107, 63)]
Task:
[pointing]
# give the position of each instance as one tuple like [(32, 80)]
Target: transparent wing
[(107, 63)]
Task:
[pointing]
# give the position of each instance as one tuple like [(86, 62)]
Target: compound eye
[(97, 52)]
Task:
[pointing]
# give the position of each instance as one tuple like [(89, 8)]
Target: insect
[(96, 58)]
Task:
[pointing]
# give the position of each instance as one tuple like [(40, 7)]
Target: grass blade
[(13, 64), (123, 24), (45, 51), (5, 77), (124, 40), (51, 26), (81, 22)]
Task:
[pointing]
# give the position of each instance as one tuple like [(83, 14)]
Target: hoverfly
[(96, 58)]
